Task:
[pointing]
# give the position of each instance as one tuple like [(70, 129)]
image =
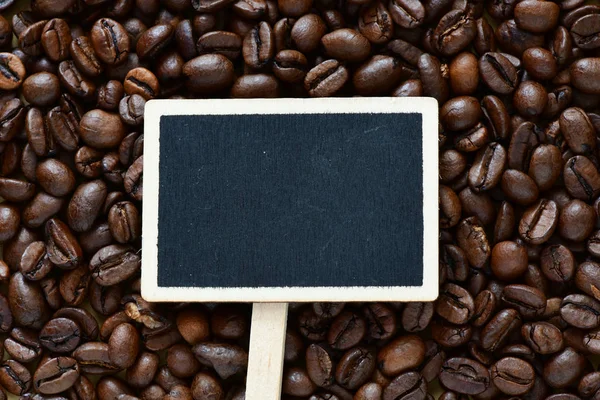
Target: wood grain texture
[(267, 347)]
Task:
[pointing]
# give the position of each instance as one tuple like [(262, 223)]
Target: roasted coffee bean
[(84, 57), (564, 368), (85, 205), (473, 241), (27, 303), (528, 300), (77, 84), (15, 377), (56, 375), (465, 376), (509, 260), (142, 82), (582, 179), (113, 264), (62, 246), (580, 311), (110, 41), (542, 337), (583, 75), (375, 23), (209, 73), (407, 385), (512, 376), (63, 128), (539, 222), (557, 263), (35, 264), (23, 345), (109, 95), (319, 366), (225, 43), (499, 328), (93, 358), (336, 43), (455, 304), (402, 354), (407, 13), (498, 73), (30, 39), (326, 79), (545, 166), (41, 89), (417, 316), (12, 71)]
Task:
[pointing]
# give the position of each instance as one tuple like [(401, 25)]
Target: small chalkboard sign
[(289, 200)]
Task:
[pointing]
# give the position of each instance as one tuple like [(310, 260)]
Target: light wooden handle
[(267, 348)]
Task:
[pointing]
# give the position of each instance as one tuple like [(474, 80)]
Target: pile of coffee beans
[(518, 83)]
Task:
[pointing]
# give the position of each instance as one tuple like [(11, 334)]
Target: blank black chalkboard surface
[(289, 200)]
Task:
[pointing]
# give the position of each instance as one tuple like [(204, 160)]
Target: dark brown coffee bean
[(110, 41), (93, 358), (336, 43), (226, 359), (12, 71), (464, 74), (133, 179), (60, 335), (325, 79), (407, 385), (564, 369), (465, 376), (15, 377), (453, 33), (29, 308), (30, 39), (259, 46), (378, 75), (63, 249), (472, 239), (407, 13), (498, 73), (499, 328), (542, 337), (528, 300), (84, 57), (16, 190), (319, 365), (209, 73), (23, 345), (253, 86), (584, 73), (580, 311), (35, 264), (56, 375), (101, 130), (228, 44), (434, 83), (113, 264), (85, 205), (582, 179), (512, 376), (455, 304), (56, 39), (417, 316), (290, 66), (77, 84), (143, 82), (401, 355), (375, 23), (123, 345)]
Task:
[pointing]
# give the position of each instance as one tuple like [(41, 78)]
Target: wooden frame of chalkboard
[(156, 109)]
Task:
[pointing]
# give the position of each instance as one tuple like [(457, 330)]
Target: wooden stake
[(267, 347)]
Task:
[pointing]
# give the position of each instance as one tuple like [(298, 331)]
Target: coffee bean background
[(518, 83)]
